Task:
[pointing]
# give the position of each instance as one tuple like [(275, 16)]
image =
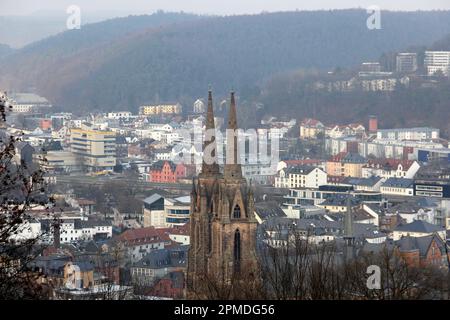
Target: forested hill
[(5, 50), (165, 57)]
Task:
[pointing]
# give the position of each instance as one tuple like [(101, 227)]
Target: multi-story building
[(162, 212), (433, 180), (390, 168), (398, 187), (160, 109), (424, 133), (370, 67), (437, 62), (300, 177), (166, 171), (346, 164), (119, 115), (96, 149), (418, 228), (406, 62), (28, 102), (310, 128), (139, 242)]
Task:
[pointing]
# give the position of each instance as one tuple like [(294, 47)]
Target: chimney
[(373, 124)]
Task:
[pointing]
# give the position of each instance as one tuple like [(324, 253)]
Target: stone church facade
[(222, 222)]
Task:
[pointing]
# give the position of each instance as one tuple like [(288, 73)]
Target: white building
[(398, 187), (390, 168), (423, 133), (300, 177), (406, 62), (437, 61), (163, 212), (28, 102), (119, 115)]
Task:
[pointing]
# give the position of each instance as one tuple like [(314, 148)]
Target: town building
[(406, 62), (166, 211), (346, 164), (28, 102), (300, 177), (95, 149), (423, 133), (310, 128), (390, 168), (162, 109), (166, 172), (398, 187), (437, 62), (418, 228)]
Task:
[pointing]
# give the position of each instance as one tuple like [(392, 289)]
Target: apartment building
[(406, 62), (423, 133), (95, 149), (437, 62), (300, 176), (346, 164), (160, 109)]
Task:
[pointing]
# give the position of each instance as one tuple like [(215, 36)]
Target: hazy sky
[(124, 7)]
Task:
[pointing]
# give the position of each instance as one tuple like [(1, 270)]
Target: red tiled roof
[(310, 122), (145, 235)]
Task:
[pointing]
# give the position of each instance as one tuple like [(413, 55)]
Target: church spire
[(210, 166), (349, 236), (348, 219), (232, 166)]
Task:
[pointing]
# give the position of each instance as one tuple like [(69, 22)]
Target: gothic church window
[(237, 212), (237, 251)]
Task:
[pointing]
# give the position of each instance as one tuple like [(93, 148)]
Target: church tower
[(223, 225)]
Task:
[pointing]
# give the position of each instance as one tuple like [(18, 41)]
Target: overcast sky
[(125, 7)]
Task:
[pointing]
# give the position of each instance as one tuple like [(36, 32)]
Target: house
[(157, 264), (300, 176), (346, 164), (398, 187), (422, 251), (339, 131), (141, 241), (371, 184), (77, 229), (166, 172), (310, 128), (267, 209), (410, 211), (180, 234), (418, 228), (338, 203), (391, 168), (170, 286)]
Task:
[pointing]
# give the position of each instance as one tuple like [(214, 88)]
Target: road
[(89, 180)]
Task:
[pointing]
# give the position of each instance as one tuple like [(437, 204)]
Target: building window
[(237, 212), (237, 251)]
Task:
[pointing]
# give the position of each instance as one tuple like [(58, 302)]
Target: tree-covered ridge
[(112, 65)]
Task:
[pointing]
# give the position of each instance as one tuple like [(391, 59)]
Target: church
[(222, 221)]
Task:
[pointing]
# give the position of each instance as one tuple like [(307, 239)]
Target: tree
[(21, 189)]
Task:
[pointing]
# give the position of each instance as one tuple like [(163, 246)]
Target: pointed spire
[(232, 166), (209, 168), (348, 219)]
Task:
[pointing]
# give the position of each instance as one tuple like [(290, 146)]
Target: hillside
[(123, 63), (5, 50)]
